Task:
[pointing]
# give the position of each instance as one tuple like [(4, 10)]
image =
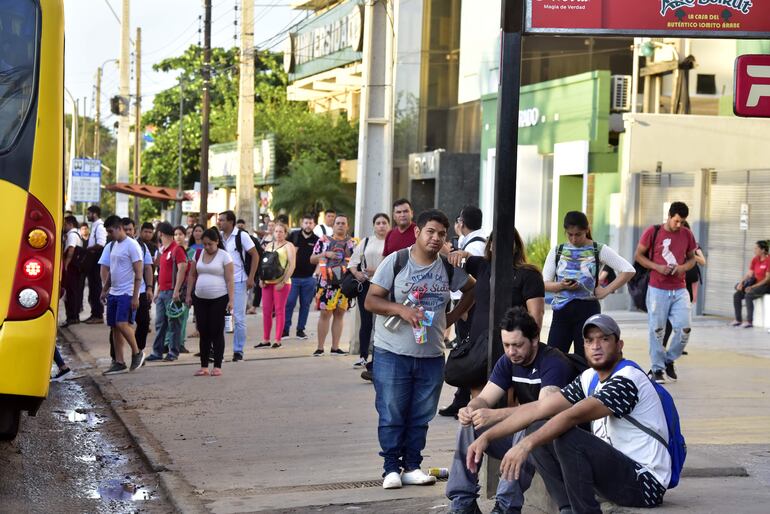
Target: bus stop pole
[(504, 215)]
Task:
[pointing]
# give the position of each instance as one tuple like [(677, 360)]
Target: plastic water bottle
[(229, 322), (438, 472), (412, 300)]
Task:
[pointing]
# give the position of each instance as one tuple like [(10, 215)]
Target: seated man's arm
[(584, 411), (521, 418)]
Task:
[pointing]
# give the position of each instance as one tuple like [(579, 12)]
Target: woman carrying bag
[(277, 266), (367, 255), (571, 272), (211, 277)]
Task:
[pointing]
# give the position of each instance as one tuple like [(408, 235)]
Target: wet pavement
[(74, 456)]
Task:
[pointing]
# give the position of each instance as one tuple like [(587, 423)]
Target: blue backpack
[(676, 446)]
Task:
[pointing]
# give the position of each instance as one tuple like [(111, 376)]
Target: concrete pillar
[(374, 182)]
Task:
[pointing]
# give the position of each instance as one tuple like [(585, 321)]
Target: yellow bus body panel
[(26, 351), (26, 347)]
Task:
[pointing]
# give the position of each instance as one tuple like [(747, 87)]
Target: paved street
[(287, 432), (75, 456)]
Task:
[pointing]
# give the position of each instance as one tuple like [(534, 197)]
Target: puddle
[(121, 490), (78, 416)]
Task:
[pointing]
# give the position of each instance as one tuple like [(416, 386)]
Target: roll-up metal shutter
[(730, 249), (658, 189)]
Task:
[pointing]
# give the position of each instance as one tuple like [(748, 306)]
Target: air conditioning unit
[(621, 93)]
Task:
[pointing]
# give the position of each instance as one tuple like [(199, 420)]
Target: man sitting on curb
[(533, 370), (620, 460)]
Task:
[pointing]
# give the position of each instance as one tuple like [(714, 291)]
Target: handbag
[(350, 286), (466, 365)]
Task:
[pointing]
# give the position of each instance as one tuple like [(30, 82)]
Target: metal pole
[(123, 164), (138, 122), (206, 72), (504, 216), (180, 193), (97, 116)]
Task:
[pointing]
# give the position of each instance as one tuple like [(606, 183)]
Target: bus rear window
[(18, 56)]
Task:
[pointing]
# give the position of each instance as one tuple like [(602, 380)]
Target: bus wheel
[(9, 424)]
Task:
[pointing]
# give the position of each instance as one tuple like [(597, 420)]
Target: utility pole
[(245, 179), (123, 162), (97, 116), (179, 192), (138, 122), (82, 142), (206, 72)]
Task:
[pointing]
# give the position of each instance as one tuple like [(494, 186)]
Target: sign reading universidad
[(674, 18)]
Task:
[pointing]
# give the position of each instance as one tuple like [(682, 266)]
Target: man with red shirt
[(402, 234), (172, 267), (673, 253)]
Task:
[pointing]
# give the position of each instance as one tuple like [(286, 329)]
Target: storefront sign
[(752, 86), (529, 117), (338, 30), (674, 18)]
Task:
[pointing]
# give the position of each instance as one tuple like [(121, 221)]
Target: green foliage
[(311, 186), (537, 250)]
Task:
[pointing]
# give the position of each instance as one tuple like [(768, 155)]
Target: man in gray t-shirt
[(408, 369)]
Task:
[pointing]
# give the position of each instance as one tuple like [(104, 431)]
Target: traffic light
[(117, 105)]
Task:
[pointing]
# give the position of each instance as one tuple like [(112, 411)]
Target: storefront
[(566, 161)]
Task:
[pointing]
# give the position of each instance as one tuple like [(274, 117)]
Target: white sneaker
[(360, 363), (392, 481), (417, 477)]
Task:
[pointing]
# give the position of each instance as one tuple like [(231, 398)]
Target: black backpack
[(270, 267), (245, 256), (640, 282)]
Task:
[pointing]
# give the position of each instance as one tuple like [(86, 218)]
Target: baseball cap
[(604, 323)]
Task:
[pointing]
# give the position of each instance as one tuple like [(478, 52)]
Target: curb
[(178, 491)]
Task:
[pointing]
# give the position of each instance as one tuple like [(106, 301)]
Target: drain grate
[(335, 486)]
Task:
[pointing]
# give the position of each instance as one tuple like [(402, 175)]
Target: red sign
[(675, 18), (752, 86)]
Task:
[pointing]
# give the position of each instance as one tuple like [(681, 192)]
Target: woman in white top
[(212, 280), (363, 263), (571, 272)]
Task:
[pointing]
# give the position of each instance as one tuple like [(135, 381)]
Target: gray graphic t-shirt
[(433, 285)]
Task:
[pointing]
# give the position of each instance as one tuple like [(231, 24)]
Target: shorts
[(119, 310), (330, 297)]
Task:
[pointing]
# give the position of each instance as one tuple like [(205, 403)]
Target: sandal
[(276, 345), (203, 372), (216, 372), (251, 310), (265, 344)]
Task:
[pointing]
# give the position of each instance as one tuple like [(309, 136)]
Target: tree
[(311, 186)]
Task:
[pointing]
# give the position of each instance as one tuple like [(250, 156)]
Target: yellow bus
[(31, 200)]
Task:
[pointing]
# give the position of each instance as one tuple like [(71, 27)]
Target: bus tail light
[(33, 279)]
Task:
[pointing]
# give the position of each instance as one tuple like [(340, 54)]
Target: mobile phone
[(455, 243), (570, 281)]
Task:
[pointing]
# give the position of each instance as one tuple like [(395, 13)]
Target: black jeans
[(577, 464), (755, 293), (73, 300), (95, 291), (567, 324), (257, 300), (210, 318), (367, 323), (142, 321)]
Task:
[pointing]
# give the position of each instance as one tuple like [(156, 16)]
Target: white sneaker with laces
[(392, 481), (417, 477), (360, 363)]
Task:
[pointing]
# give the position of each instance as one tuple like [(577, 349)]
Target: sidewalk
[(284, 431)]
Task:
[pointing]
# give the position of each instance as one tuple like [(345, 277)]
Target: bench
[(762, 311)]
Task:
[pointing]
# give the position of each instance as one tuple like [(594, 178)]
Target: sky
[(92, 35)]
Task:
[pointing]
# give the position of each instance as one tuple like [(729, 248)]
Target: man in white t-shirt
[(70, 280), (618, 459), (96, 241), (326, 228), (241, 248), (121, 265)]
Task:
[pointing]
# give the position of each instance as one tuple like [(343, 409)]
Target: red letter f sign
[(752, 86)]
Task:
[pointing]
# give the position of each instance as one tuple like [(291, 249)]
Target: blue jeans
[(163, 324), (462, 488), (239, 316), (303, 289), (407, 391), (665, 305)]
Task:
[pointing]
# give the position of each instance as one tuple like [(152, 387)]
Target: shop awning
[(146, 191)]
